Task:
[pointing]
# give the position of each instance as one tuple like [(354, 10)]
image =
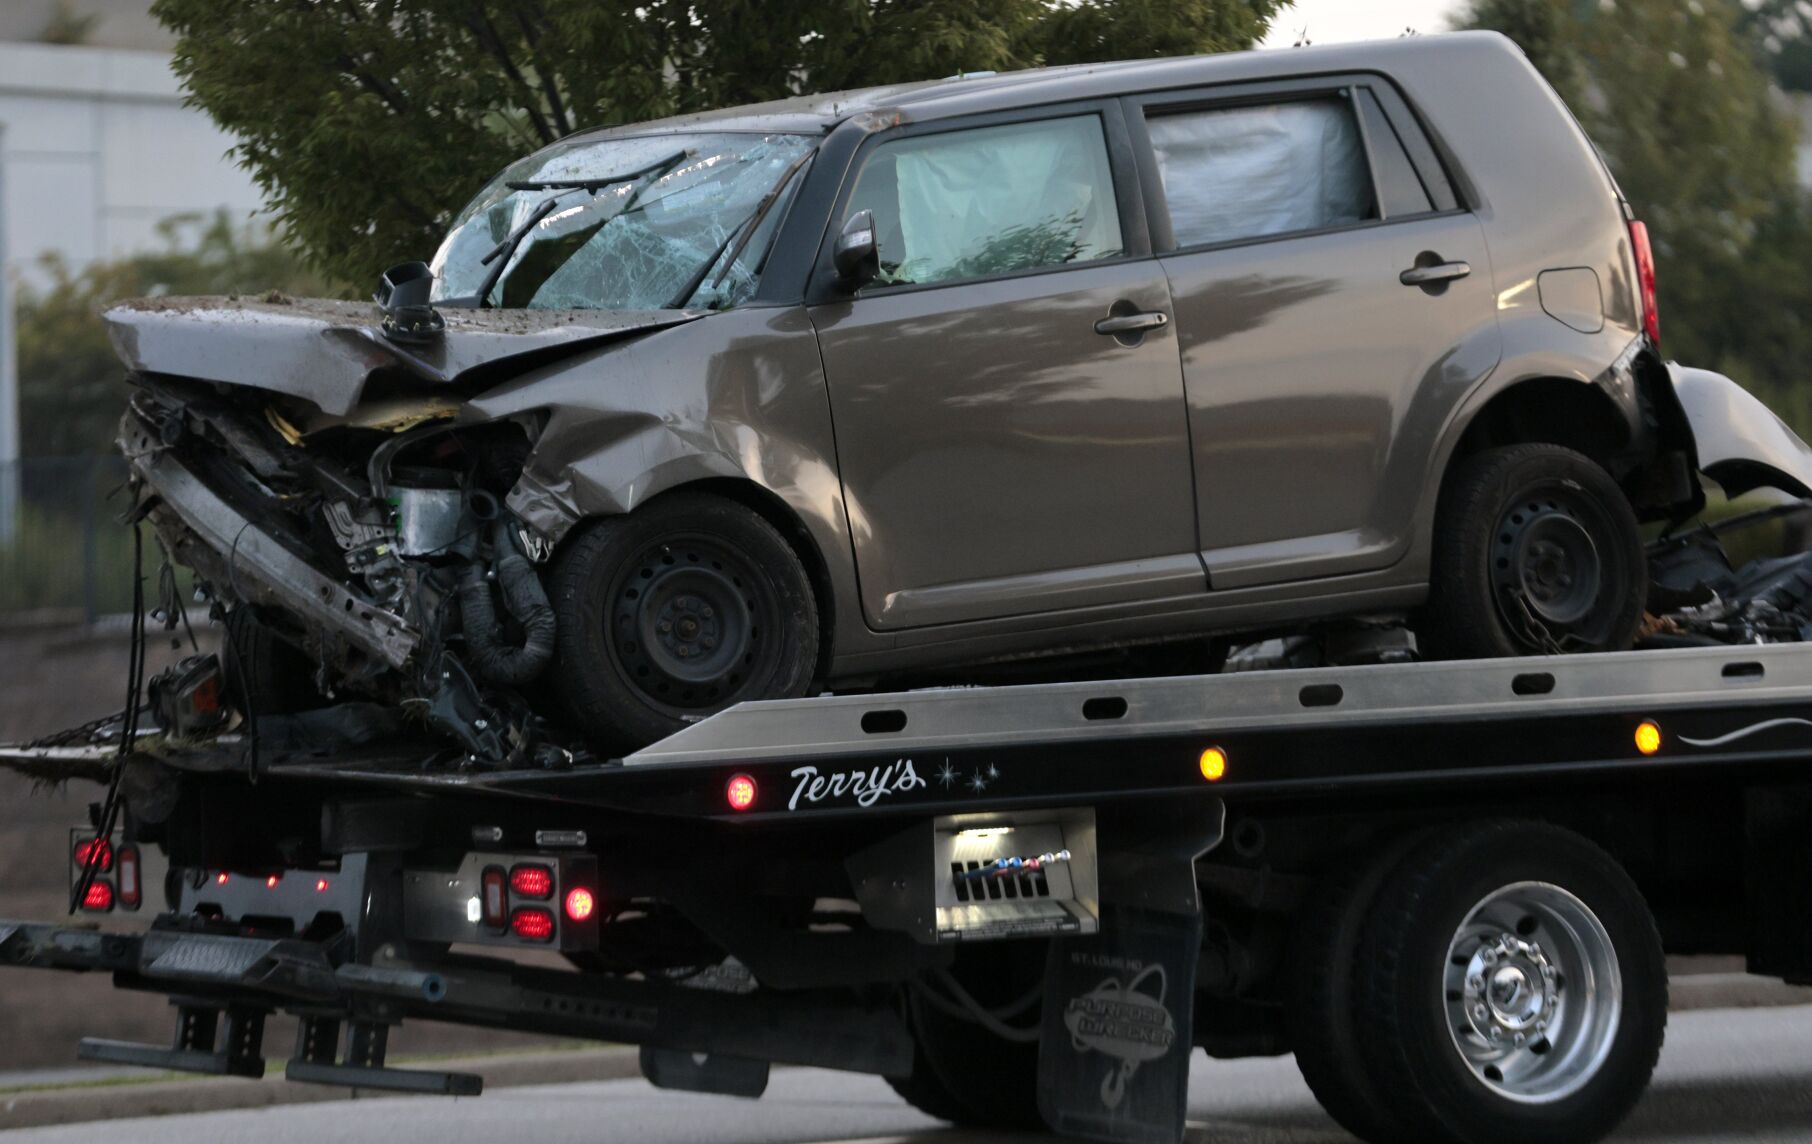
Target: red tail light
[(493, 910), (98, 850), (99, 898), (535, 882), (131, 893), (1645, 281), (740, 791), (579, 903), (532, 924)]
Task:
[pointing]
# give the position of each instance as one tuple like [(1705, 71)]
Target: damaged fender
[(1742, 445)]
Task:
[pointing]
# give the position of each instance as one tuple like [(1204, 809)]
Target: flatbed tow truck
[(1447, 887)]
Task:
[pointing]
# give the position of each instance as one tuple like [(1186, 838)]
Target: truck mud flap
[(1119, 1004), (1113, 1058)]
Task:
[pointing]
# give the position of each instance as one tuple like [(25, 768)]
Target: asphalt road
[(1726, 1075)]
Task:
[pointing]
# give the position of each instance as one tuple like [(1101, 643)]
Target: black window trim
[(1129, 192), (1435, 179)]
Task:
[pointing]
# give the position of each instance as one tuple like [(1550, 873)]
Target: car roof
[(981, 93)]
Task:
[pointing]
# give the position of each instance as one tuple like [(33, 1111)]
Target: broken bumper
[(228, 547)]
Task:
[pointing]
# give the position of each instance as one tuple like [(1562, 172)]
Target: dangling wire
[(244, 667), (169, 597), (135, 679)]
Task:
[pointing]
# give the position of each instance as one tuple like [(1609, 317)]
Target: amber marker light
[(1214, 764), (1648, 736)]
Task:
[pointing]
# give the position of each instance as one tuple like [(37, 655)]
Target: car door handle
[(1132, 323), (1429, 275)]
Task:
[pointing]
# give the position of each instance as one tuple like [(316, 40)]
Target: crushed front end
[(345, 514)]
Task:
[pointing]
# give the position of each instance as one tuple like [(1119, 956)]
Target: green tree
[(1677, 100), (368, 123), (1783, 29), (69, 379)]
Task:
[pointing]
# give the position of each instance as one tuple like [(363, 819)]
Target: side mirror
[(857, 254)]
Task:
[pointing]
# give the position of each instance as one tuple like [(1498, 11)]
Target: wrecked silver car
[(1061, 371)]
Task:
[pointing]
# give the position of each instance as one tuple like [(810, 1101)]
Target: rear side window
[(1241, 173), (991, 200)]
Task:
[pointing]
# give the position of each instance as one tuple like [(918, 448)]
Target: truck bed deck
[(1288, 733)]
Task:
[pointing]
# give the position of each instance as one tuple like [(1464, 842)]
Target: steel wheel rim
[(1533, 993), (1545, 566), (690, 623)]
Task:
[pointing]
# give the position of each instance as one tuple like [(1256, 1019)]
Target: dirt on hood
[(325, 351)]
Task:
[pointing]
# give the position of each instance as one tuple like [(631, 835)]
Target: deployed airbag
[(1252, 172)]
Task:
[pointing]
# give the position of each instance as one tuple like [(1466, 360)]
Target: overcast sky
[(1330, 21)]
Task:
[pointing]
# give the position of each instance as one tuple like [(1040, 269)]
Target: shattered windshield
[(642, 223)]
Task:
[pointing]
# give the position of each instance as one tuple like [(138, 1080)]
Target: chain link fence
[(64, 554)]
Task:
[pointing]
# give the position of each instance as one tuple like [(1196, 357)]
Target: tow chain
[(1536, 633)]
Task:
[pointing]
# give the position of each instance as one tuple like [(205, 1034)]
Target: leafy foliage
[(1675, 97), (69, 378), (368, 123), (1783, 29)]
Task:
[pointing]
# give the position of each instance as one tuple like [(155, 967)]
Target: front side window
[(991, 200), (636, 223), (1244, 173)]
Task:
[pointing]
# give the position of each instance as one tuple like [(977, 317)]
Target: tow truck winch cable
[(135, 678)]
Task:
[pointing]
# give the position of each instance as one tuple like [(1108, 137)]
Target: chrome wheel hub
[(1533, 992), (1511, 989)]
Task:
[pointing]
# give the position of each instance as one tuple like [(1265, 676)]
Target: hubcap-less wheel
[(1537, 552), (1533, 992), (690, 622), (1544, 561)]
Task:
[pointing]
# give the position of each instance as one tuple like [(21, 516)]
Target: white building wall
[(98, 150)]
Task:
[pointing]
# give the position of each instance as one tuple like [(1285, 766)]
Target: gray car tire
[(1536, 551), (674, 612)]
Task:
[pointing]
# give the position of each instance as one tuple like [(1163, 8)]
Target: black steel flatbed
[(1300, 734)]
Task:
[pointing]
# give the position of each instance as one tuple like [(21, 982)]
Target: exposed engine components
[(496, 659), (396, 527)]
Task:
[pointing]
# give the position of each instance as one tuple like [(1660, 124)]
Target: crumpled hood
[(325, 351)]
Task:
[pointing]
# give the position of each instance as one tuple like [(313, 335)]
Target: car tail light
[(740, 791), (580, 903), (99, 898), (535, 882), (131, 894), (1645, 281), (532, 924), (97, 850), (493, 909)]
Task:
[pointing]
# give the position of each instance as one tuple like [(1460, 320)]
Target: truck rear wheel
[(1536, 553), (967, 1074), (1512, 987), (1331, 1052)]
